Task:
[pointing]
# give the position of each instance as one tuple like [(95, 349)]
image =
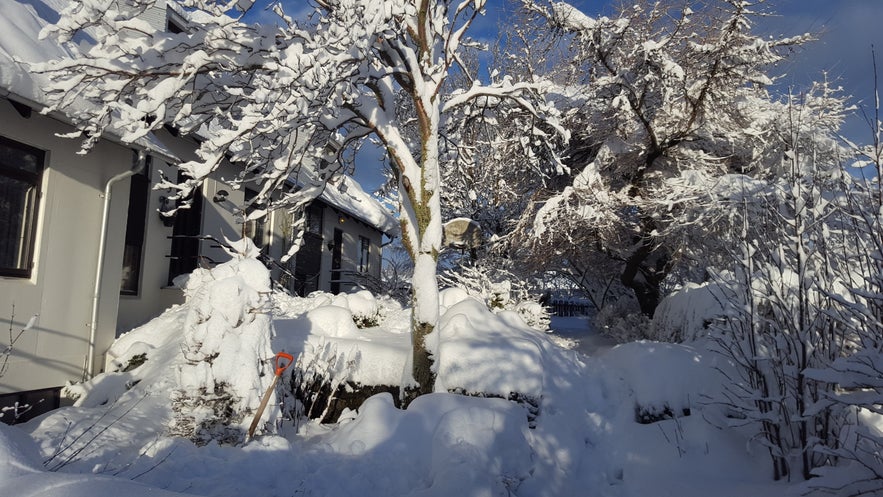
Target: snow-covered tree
[(287, 99), (659, 98)]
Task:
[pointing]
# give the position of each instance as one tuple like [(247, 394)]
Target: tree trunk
[(644, 272), (423, 322)]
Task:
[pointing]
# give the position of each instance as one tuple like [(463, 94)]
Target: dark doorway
[(308, 261)]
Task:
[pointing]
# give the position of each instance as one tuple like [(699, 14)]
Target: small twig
[(100, 432), (162, 460)]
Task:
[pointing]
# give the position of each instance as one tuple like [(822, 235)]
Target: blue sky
[(847, 29)]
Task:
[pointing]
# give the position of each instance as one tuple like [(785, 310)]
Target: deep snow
[(584, 441)]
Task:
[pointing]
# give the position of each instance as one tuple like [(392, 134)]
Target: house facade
[(84, 247)]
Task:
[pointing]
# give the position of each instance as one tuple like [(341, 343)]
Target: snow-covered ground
[(585, 440), (576, 332)]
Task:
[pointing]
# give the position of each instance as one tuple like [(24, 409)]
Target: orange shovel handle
[(280, 368)]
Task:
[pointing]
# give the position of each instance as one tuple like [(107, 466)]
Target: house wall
[(218, 219), (60, 288), (154, 293), (352, 228)]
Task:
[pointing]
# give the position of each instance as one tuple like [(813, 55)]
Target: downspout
[(99, 270)]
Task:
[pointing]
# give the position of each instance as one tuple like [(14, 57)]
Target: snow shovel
[(280, 368)]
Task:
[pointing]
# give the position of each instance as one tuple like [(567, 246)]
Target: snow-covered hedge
[(500, 290), (207, 361)]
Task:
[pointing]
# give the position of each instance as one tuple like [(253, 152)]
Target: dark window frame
[(34, 180), (184, 252), (364, 254), (136, 228)]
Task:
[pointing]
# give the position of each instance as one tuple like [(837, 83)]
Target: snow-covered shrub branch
[(854, 379), (499, 289), (780, 319)]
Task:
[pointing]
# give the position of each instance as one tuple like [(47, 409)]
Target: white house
[(82, 244)]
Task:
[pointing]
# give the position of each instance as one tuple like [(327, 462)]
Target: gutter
[(157, 149), (99, 270)]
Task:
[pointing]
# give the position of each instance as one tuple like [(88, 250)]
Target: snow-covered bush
[(857, 376), (226, 348), (500, 290), (781, 313), (620, 321), (687, 314), (368, 311), (534, 314)]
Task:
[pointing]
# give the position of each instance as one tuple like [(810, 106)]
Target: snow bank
[(483, 352), (22, 473), (686, 314), (463, 445), (19, 454)]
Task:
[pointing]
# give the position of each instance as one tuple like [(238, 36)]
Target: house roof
[(20, 46), (346, 195)]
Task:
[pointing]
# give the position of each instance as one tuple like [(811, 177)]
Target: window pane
[(16, 211), (364, 252), (135, 227), (14, 156), (314, 219), (131, 269)]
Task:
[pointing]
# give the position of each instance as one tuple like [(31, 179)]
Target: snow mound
[(19, 455), (680, 375), (483, 352), (686, 314), (465, 445)]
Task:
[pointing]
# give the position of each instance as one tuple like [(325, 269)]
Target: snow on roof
[(20, 47), (347, 195)]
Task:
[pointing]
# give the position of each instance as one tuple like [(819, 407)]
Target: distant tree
[(661, 101), (282, 99)]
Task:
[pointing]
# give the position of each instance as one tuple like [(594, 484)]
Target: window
[(364, 254), (184, 257), (136, 223), (21, 168), (314, 218), (256, 228)]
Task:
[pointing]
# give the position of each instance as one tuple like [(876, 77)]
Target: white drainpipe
[(93, 323)]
